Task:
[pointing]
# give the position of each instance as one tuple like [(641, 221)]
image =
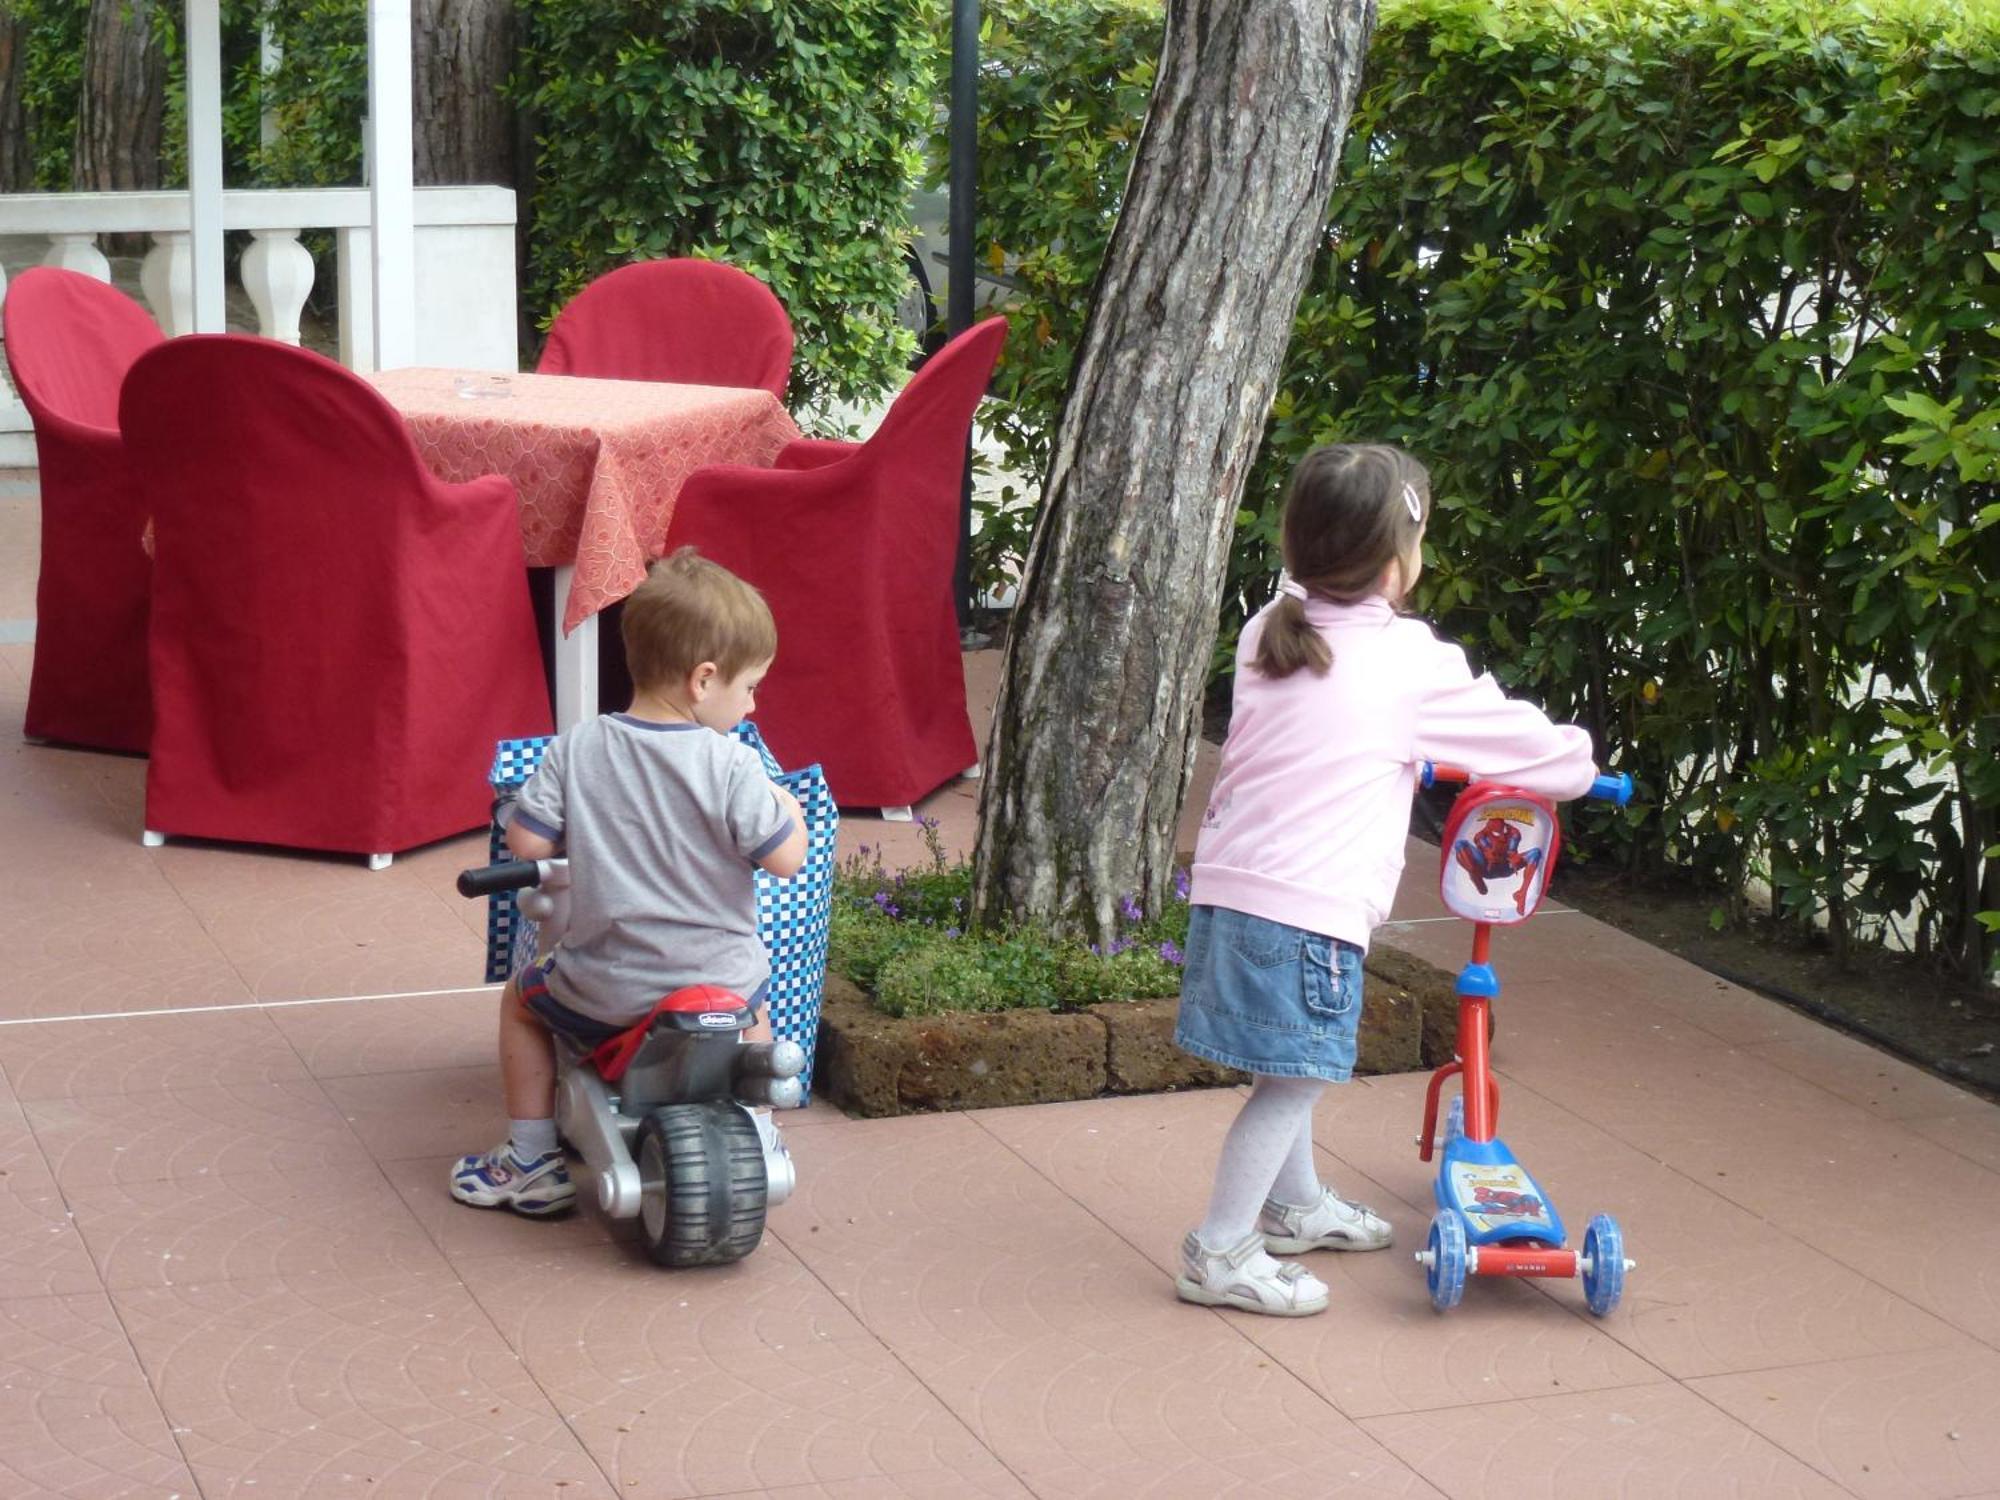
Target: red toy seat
[(854, 546), (338, 639), (694, 322), (612, 1058), (70, 340)]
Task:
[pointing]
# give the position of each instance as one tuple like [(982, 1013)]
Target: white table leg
[(576, 660)]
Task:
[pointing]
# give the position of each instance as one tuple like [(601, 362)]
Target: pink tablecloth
[(598, 463)]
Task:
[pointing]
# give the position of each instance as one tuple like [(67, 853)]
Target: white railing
[(465, 275)]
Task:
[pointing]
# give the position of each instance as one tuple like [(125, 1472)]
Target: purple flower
[(860, 848), (927, 822), (1180, 886), (1118, 946), (1172, 954), (952, 932), (1130, 909), (1095, 951)]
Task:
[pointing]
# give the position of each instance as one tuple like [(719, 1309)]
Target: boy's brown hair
[(688, 611)]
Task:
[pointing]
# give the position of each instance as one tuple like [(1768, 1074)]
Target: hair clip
[(1412, 503)]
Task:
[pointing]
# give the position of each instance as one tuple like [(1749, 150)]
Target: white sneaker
[(1245, 1277), (1330, 1224)]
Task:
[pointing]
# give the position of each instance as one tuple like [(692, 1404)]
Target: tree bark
[(464, 126), (122, 104), (1095, 731), (17, 158)]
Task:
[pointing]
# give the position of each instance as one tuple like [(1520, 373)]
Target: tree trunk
[(464, 127), (17, 158), (122, 104), (1095, 731)]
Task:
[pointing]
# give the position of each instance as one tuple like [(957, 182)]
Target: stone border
[(875, 1065)]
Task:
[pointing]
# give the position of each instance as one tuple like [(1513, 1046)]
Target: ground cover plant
[(902, 936), (1690, 304)]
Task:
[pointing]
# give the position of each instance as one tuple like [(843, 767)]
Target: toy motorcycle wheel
[(1604, 1247), (1446, 1273), (702, 1184)]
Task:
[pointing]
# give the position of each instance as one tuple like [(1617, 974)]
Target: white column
[(391, 175), (576, 659), (354, 288), (166, 276), (78, 252), (204, 114), (277, 272)]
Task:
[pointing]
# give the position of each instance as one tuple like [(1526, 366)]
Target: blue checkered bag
[(793, 916)]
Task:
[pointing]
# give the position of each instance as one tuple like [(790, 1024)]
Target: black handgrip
[(511, 875)]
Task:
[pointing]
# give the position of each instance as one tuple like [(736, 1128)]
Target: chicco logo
[(718, 1019)]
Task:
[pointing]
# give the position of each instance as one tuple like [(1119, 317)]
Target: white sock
[(1298, 1180), (1266, 1133), (531, 1138)]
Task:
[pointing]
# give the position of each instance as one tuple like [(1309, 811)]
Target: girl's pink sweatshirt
[(1311, 808)]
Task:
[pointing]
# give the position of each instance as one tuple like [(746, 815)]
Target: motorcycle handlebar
[(1609, 787), (509, 875)]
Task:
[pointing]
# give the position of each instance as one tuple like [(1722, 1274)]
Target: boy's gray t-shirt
[(662, 823)]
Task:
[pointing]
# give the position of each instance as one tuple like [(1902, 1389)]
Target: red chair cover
[(338, 639), (70, 340), (694, 322), (855, 546)]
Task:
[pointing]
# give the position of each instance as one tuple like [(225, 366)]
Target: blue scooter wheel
[(1604, 1247), (1446, 1273)]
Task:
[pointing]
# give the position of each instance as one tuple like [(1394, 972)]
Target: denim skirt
[(1269, 998)]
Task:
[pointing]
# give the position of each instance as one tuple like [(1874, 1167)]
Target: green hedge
[(1690, 307), (782, 135)]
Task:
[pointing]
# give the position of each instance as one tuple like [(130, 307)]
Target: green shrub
[(781, 135), (899, 936), (1689, 306)]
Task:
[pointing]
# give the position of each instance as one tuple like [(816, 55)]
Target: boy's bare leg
[(527, 1059)]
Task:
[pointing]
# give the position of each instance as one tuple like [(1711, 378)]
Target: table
[(598, 464)]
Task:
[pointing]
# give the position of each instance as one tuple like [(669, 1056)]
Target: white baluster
[(78, 252), (167, 278), (277, 272), (3, 284), (354, 282)]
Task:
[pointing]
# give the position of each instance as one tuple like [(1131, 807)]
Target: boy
[(663, 815)]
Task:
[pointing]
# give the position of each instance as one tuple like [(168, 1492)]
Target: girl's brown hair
[(688, 611), (1348, 518)]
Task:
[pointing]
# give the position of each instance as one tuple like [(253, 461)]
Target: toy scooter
[(658, 1113), (1493, 1219)]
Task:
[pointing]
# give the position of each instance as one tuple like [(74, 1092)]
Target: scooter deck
[(1495, 1196)]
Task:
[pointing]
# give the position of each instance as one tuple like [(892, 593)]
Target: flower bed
[(919, 1015)]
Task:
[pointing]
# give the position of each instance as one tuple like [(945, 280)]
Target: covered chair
[(855, 545), (70, 340), (693, 322), (338, 639)]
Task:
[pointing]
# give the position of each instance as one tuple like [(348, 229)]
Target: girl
[(1338, 697)]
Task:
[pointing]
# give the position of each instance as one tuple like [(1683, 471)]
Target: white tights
[(1268, 1153)]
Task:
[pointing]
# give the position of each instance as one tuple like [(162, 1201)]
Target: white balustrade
[(465, 315)]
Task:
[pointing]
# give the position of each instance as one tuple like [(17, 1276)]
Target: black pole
[(964, 192)]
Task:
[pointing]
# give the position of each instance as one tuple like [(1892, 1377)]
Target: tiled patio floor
[(230, 1267)]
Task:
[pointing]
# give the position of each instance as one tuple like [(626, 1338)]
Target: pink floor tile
[(1879, 1083), (421, 1034), (1174, 1395), (392, 1384), (973, 1481), (430, 1113), (1897, 1427), (1972, 1130), (1657, 1440), (461, 1231), (58, 1059), (41, 1253), (304, 926), (707, 1382), (193, 1132), (87, 952), (332, 1220), (77, 1417)]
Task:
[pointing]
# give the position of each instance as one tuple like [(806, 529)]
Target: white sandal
[(1244, 1276), (1330, 1224)]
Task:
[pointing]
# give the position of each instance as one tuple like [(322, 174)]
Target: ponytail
[(1290, 642)]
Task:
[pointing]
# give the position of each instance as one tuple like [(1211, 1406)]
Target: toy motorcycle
[(1493, 1219), (659, 1113)]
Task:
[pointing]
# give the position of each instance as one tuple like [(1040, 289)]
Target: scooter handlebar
[(510, 875), (1609, 787)]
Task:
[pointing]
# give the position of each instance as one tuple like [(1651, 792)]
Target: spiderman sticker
[(1495, 854)]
